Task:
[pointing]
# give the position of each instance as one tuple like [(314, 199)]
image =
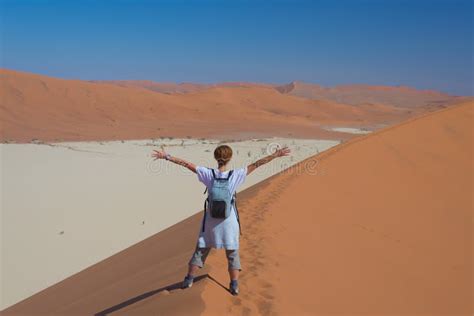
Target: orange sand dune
[(360, 94), (380, 225), (49, 109)]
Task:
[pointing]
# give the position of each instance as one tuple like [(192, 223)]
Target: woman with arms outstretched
[(220, 227)]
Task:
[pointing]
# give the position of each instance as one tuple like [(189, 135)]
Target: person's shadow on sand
[(169, 288)]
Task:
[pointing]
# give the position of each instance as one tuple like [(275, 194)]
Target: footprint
[(265, 284)]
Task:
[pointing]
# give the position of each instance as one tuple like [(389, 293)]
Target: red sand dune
[(380, 225), (360, 94), (50, 109)]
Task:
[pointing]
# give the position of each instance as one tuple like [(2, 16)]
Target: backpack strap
[(234, 201), (216, 178), (204, 219)]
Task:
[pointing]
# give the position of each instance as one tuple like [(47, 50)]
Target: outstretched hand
[(158, 154), (161, 154), (285, 151)]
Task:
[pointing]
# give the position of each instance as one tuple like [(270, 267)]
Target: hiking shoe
[(188, 282), (234, 287)]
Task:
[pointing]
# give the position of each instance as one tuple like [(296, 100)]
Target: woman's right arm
[(163, 155), (285, 151)]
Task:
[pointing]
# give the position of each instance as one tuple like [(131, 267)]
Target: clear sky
[(426, 44)]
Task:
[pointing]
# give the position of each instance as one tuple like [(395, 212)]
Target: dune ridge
[(399, 241), (177, 88)]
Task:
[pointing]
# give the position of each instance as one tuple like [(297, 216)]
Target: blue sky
[(422, 43)]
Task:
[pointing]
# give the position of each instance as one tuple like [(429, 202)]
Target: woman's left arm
[(163, 155)]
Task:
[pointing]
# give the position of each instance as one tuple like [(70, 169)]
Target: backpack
[(220, 199)]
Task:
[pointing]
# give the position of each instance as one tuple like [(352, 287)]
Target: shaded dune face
[(139, 280), (380, 225), (35, 107)]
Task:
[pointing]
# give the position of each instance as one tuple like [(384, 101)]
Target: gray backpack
[(220, 199)]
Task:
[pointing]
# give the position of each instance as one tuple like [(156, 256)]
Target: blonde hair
[(223, 154)]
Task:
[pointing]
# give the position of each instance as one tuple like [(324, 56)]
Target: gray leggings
[(200, 254)]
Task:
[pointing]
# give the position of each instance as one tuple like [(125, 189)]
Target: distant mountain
[(359, 94)]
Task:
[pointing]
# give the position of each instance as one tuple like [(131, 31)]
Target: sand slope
[(49, 109), (382, 225)]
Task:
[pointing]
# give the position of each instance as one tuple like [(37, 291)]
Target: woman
[(219, 232)]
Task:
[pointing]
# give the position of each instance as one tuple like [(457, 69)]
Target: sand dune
[(405, 97), (383, 227), (355, 94), (35, 107), (379, 225)]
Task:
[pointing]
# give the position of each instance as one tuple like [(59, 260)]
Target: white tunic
[(219, 232)]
